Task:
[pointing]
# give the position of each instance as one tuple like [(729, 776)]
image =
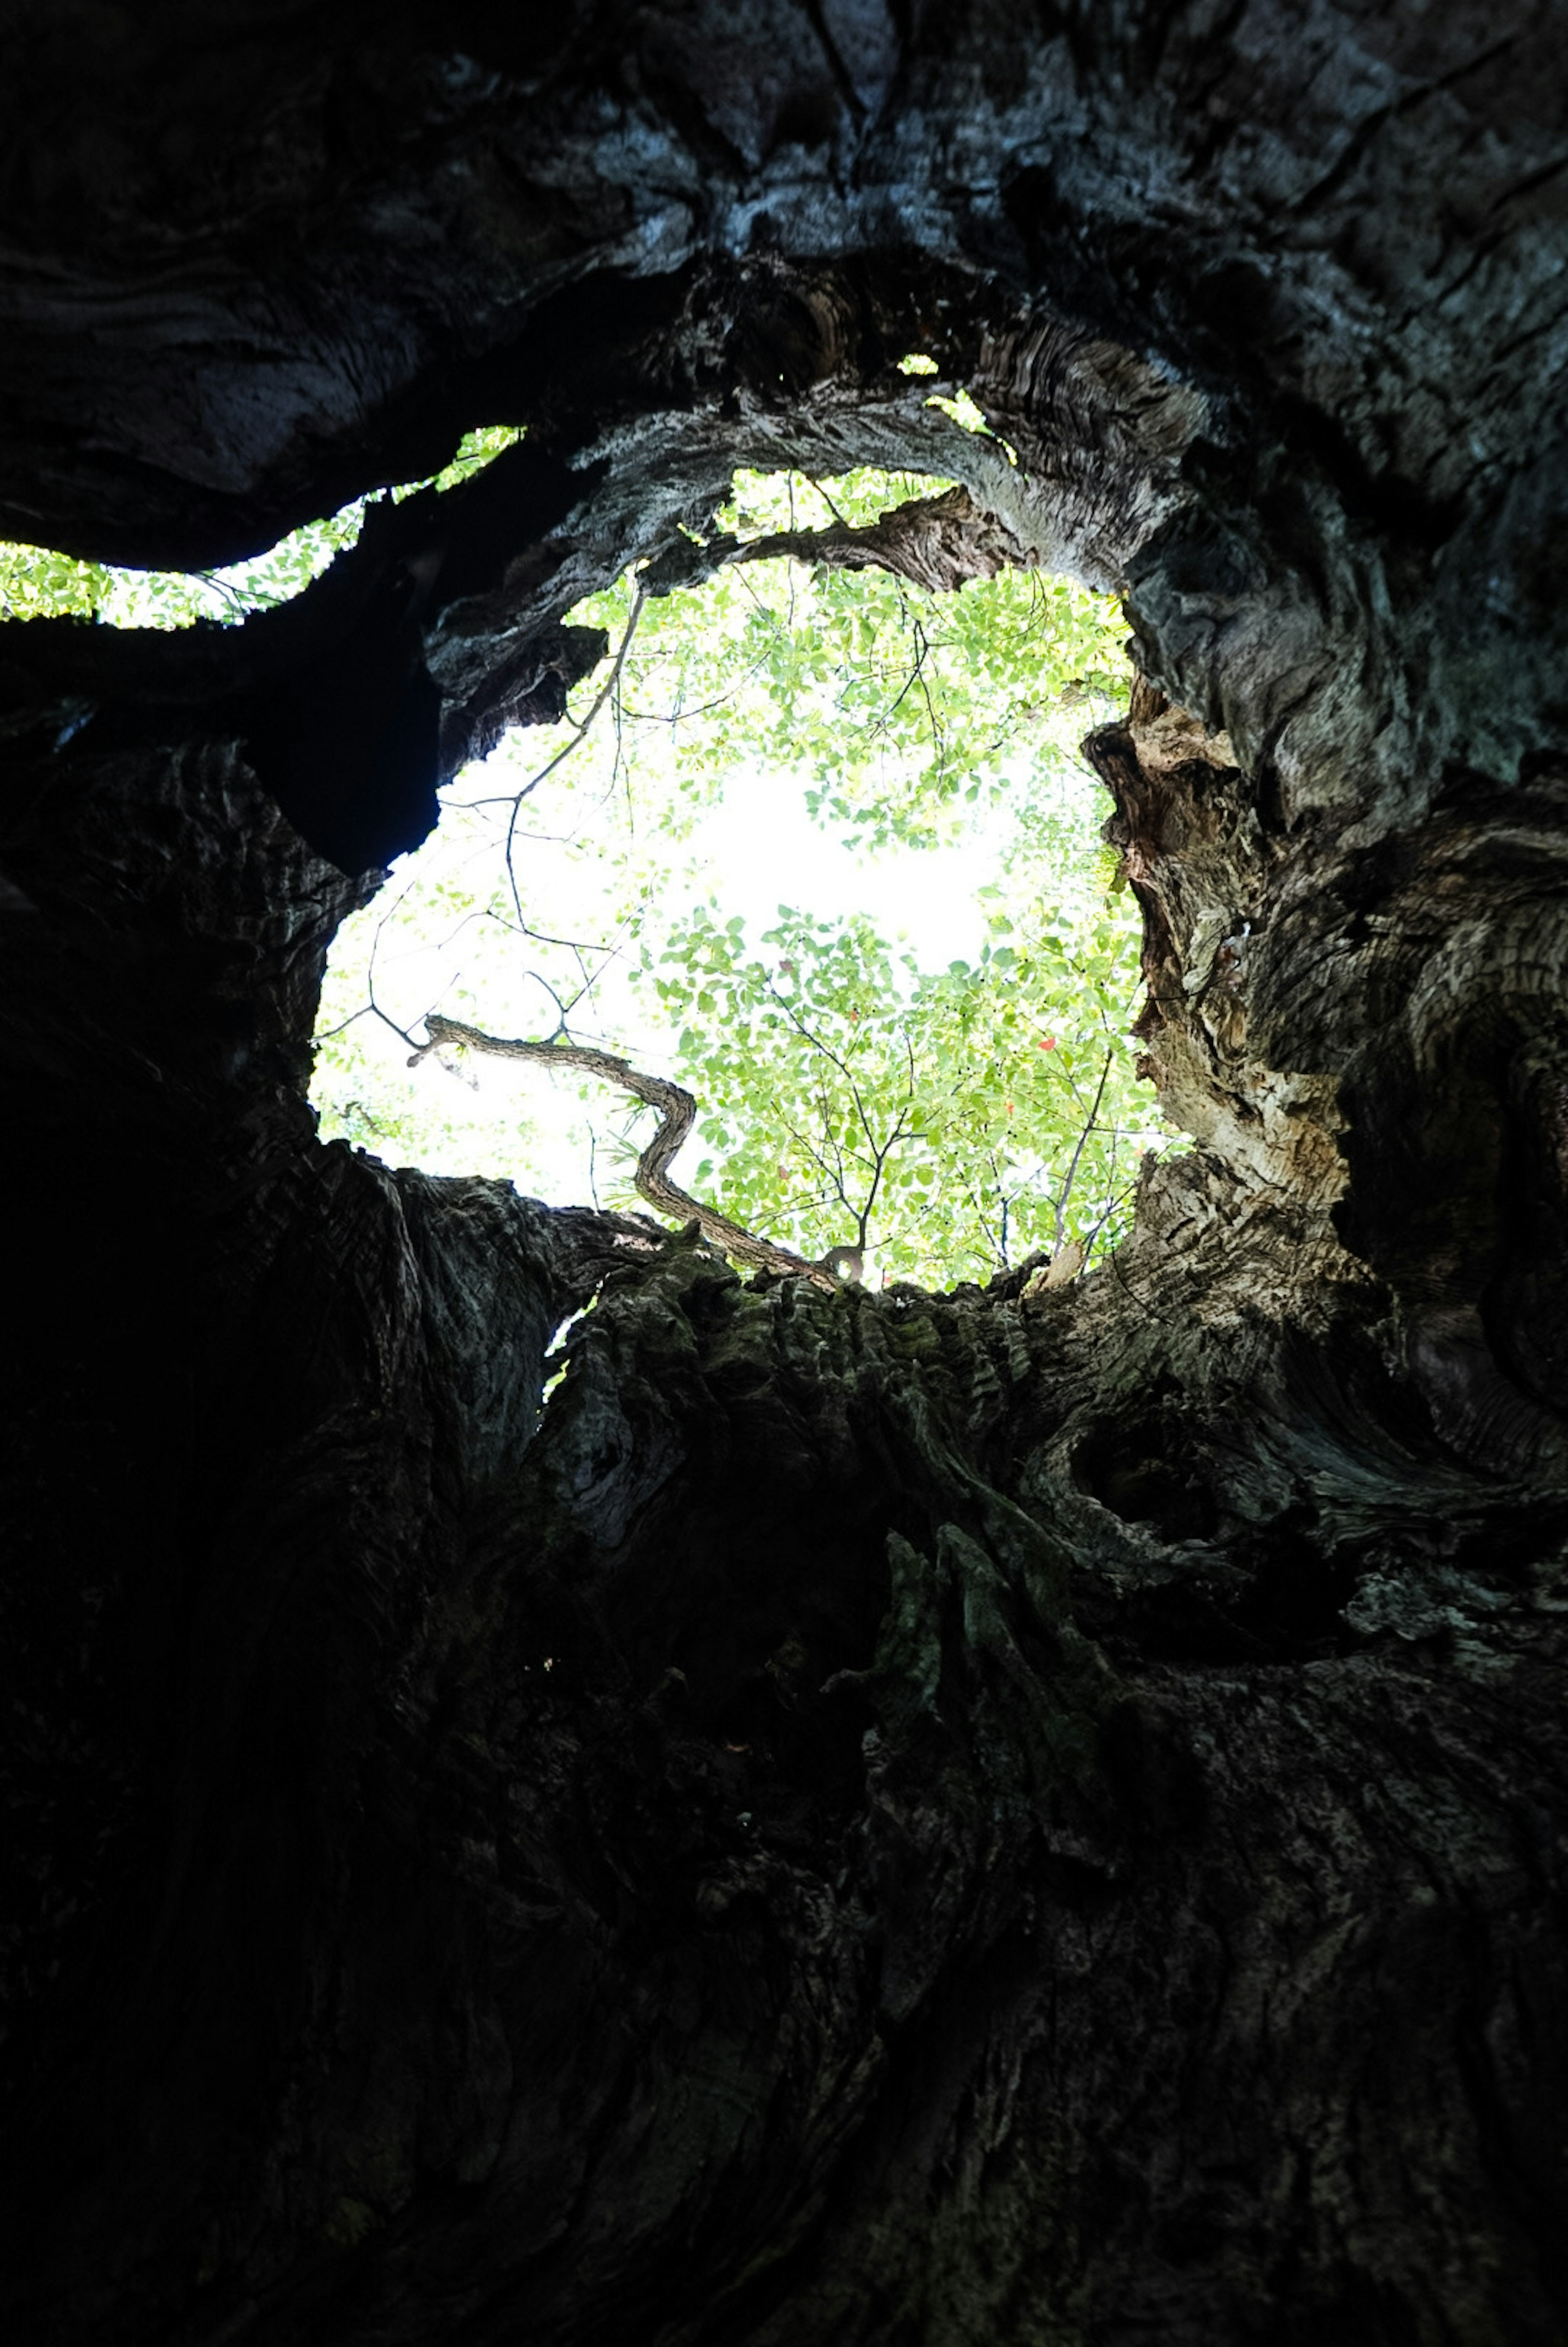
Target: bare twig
[(535, 937), (827, 500), (683, 716), (386, 1021), (916, 676), (579, 734), (1111, 1205), (1089, 1127), (324, 1034)]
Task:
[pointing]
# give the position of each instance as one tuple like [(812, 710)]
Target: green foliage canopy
[(959, 1119), (952, 1117), (36, 583)]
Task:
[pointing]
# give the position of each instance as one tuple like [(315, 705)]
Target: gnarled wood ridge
[(861, 1819)]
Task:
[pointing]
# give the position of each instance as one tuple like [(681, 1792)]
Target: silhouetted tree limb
[(677, 1110)]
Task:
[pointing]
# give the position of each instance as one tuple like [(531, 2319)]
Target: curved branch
[(677, 1110)]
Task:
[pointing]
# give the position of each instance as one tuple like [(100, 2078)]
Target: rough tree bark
[(925, 1820)]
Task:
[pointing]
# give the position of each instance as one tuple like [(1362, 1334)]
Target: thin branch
[(1078, 1151), (391, 1022), (535, 937), (827, 500), (684, 716), (677, 1111), (1111, 1205), (579, 734), (324, 1034), (816, 1041), (799, 1205), (594, 1168), (371, 973), (242, 605), (914, 677), (897, 1134), (1061, 1068)]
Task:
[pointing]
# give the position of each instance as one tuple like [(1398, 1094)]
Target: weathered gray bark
[(873, 1819)]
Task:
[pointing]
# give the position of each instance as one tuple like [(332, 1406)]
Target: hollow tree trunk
[(868, 1819)]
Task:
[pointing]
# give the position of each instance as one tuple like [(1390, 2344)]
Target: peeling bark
[(1006, 1816)]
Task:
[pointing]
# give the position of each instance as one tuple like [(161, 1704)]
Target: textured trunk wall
[(893, 1818)]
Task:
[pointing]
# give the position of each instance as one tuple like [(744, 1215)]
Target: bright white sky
[(757, 849), (763, 850)]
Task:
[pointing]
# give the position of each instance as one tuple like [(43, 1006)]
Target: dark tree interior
[(1136, 1913)]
